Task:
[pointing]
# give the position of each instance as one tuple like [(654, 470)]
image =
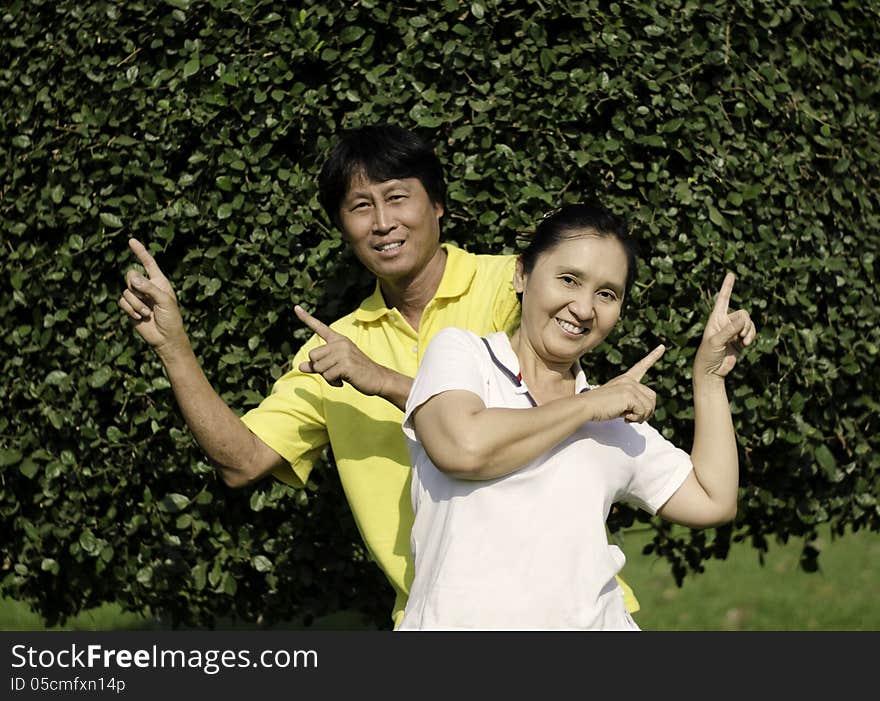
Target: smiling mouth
[(390, 246), (570, 328)]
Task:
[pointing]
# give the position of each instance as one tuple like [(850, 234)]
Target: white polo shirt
[(527, 551)]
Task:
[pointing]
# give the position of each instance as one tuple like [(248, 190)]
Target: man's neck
[(410, 296)]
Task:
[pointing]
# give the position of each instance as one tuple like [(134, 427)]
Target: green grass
[(740, 594), (733, 594)]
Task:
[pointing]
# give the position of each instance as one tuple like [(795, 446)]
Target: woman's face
[(572, 298)]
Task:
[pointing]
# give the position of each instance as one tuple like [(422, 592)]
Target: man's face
[(392, 226)]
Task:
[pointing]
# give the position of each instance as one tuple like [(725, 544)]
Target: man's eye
[(568, 280), (608, 294)]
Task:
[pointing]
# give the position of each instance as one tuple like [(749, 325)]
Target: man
[(383, 187)]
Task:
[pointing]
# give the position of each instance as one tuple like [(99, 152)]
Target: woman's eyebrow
[(578, 272)]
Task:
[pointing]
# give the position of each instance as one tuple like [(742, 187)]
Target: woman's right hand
[(625, 396), (151, 304)]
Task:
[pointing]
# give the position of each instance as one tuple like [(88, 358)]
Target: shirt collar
[(457, 276), (499, 342)]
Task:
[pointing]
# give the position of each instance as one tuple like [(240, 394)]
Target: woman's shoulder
[(455, 335)]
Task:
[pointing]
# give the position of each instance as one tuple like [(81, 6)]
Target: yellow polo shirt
[(303, 413)]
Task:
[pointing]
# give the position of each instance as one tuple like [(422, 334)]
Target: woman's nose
[(582, 307)]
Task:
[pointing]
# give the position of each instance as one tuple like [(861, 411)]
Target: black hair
[(574, 219), (380, 152)]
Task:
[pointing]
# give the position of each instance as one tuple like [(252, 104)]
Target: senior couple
[(479, 462)]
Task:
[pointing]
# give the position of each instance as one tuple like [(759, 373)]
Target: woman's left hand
[(726, 335)]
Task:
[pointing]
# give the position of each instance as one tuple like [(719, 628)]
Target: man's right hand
[(339, 360), (151, 304)]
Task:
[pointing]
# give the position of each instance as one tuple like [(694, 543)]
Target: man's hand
[(725, 337), (341, 360), (151, 304), (625, 396)]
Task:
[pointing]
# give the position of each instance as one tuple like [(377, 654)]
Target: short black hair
[(574, 219), (380, 152)]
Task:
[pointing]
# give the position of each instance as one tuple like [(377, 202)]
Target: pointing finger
[(722, 301), (638, 370), (319, 327), (147, 260)]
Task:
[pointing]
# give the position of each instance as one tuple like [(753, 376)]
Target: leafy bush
[(737, 136)]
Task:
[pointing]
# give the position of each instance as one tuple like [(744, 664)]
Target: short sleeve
[(454, 360), (658, 471), (506, 307), (291, 420)]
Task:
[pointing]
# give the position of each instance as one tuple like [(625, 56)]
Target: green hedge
[(738, 136)]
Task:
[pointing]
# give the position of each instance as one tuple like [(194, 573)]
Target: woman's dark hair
[(380, 152), (572, 220)]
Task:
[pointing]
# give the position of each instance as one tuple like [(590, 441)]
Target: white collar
[(506, 357)]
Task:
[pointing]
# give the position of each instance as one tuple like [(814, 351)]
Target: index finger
[(722, 301), (638, 370), (143, 255), (319, 327)]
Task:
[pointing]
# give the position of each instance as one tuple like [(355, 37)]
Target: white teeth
[(571, 328), (390, 246)]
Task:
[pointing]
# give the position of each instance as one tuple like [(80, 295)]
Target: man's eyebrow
[(384, 187), (392, 184)]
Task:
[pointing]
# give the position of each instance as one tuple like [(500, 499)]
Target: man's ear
[(519, 277)]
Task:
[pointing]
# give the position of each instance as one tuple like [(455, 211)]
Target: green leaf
[(88, 542), (199, 575), (191, 67), (826, 460), (29, 468), (48, 564), (100, 377), (145, 576), (9, 456), (173, 503), (351, 34), (262, 563), (111, 220)]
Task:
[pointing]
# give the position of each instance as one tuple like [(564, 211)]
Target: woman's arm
[(466, 440), (708, 497)]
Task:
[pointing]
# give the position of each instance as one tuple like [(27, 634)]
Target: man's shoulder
[(487, 260)]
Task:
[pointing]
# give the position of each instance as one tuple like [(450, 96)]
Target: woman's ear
[(519, 277)]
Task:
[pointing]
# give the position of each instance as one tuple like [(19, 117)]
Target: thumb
[(736, 322)]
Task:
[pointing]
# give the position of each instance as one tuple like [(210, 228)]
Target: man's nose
[(383, 219)]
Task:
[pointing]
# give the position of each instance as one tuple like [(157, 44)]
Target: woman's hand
[(725, 337), (625, 396)]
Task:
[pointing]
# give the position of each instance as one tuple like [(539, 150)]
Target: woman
[(517, 460)]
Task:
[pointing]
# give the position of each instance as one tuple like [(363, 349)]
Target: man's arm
[(240, 457)]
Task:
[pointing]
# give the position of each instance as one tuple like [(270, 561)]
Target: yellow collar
[(457, 276)]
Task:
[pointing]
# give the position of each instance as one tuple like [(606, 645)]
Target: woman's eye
[(568, 280), (607, 294)]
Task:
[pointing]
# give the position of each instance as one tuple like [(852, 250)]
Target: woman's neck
[(546, 380)]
